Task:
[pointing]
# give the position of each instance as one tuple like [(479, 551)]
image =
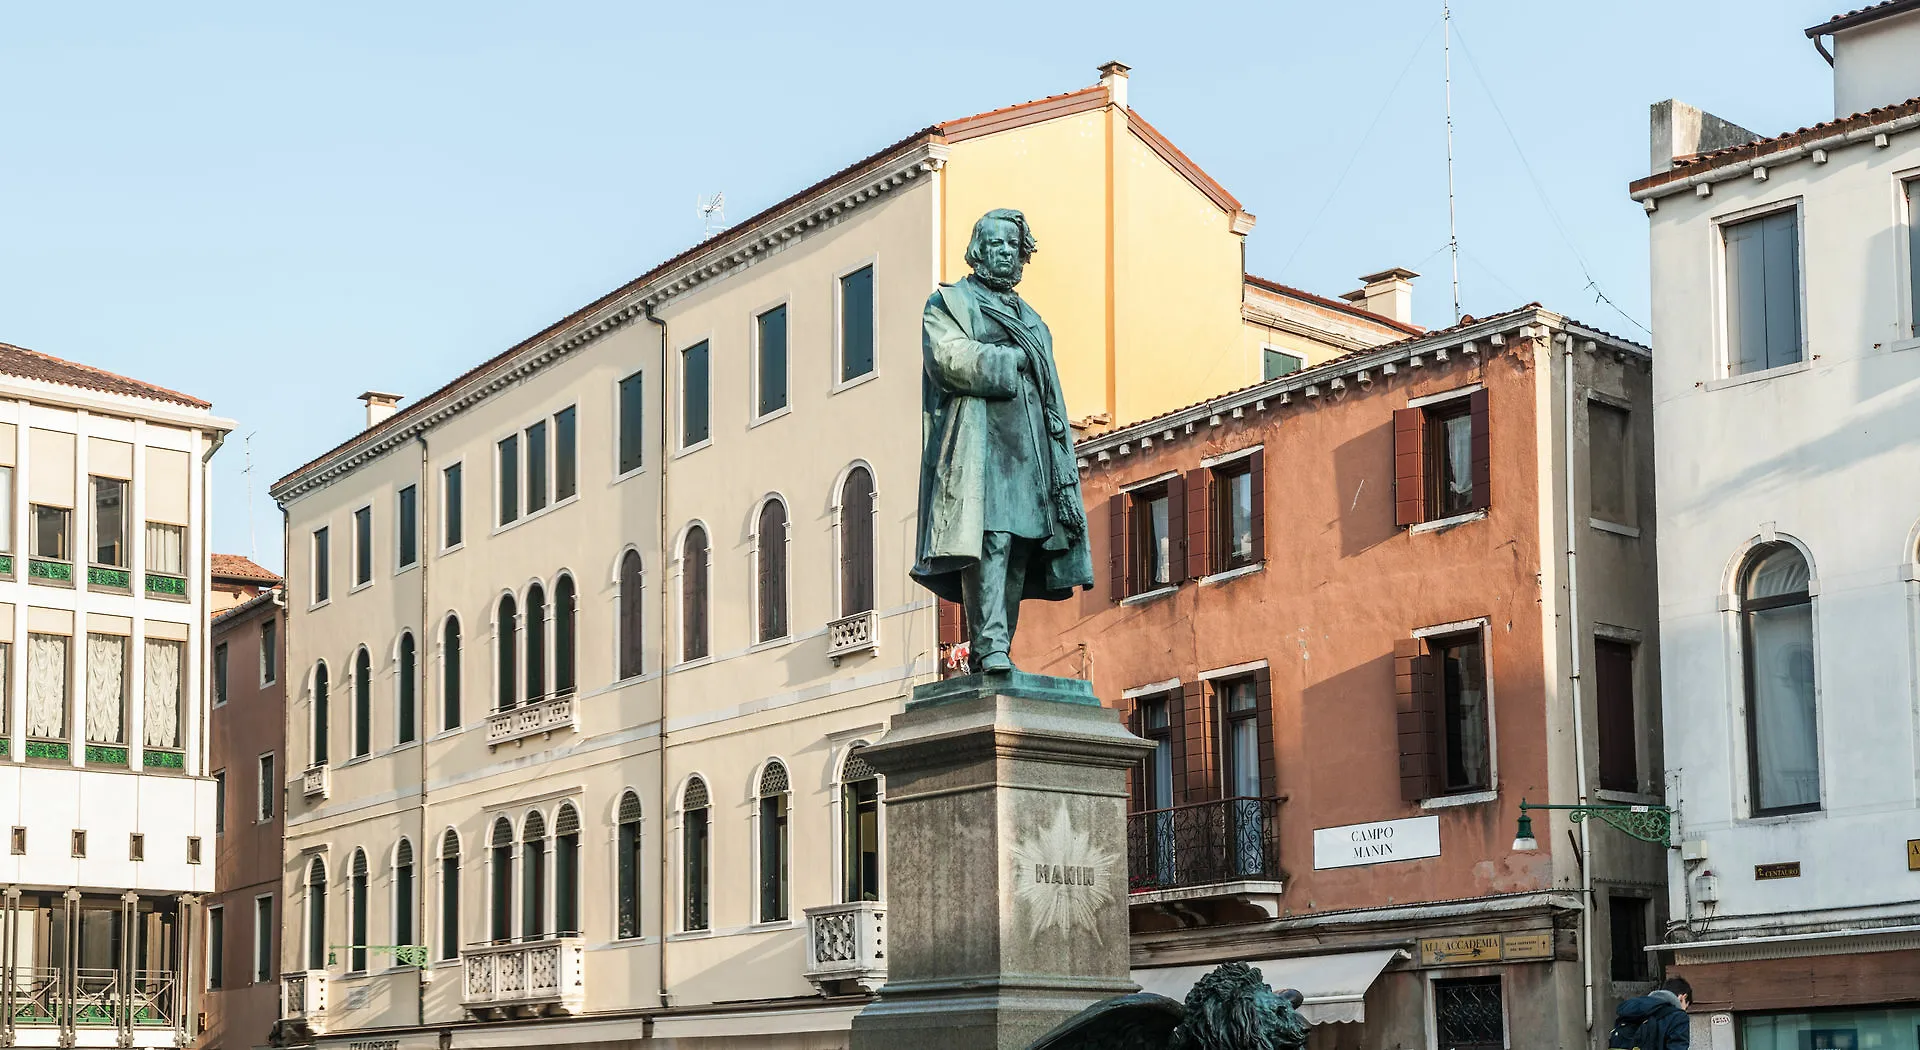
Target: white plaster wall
[(1876, 65), (1828, 456), (51, 802)]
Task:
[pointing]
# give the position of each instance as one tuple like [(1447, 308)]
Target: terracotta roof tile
[(239, 567), (1760, 148), (1861, 16), (255, 602), (1334, 304), (46, 368)]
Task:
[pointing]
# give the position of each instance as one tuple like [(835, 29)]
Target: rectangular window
[(167, 549), (1912, 187), (363, 546), (771, 339), (262, 939), (1234, 515), (1461, 665), (269, 651), (537, 467), (1627, 924), (407, 520), (451, 507), (633, 418), (1276, 363), (1468, 1014), (47, 663), (856, 324), (50, 533), (161, 704), (1238, 711), (1442, 461), (220, 674), (1152, 539), (216, 946), (1619, 739), (1450, 460), (1610, 474), (106, 689), (220, 802), (137, 846), (110, 522), (566, 462), (6, 510), (267, 789), (694, 400), (509, 479), (1763, 292)]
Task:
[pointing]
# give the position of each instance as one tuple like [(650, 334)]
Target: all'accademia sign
[(1380, 842)]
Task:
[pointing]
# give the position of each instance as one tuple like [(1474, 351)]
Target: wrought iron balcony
[(859, 633), (536, 716), (1230, 842), (317, 782), (94, 998), (847, 943), (524, 979), (303, 1001)]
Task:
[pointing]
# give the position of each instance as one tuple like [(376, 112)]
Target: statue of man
[(1000, 512)]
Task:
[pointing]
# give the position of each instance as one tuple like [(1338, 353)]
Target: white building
[(103, 618), (1787, 422)]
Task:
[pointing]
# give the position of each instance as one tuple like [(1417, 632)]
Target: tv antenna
[(713, 212), (253, 546), (1453, 236)]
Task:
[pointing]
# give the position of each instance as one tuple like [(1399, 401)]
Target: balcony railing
[(93, 998), (1233, 840), (538, 716), (526, 979), (303, 1000), (847, 942), (317, 782), (858, 633)]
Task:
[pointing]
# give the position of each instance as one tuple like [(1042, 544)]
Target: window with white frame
[(770, 344), (1763, 292), (533, 877), (269, 651), (859, 829), (106, 689), (266, 788), (695, 856), (321, 562), (263, 939), (452, 506), (6, 510), (216, 947), (566, 871), (1776, 629), (317, 914), (508, 450), (628, 866), (856, 324), (770, 571), (403, 893), (450, 895), (1910, 190), (363, 546), (406, 520), (775, 848), (695, 399), (633, 420)]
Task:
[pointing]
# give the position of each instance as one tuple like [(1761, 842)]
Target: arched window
[(774, 854), (536, 643), (362, 703), (404, 691), (500, 910), (564, 610), (632, 623), (506, 633), (693, 594), (403, 893), (694, 853), (320, 715), (450, 895), (566, 872), (856, 542), (450, 674), (860, 829), (627, 888), (357, 914), (1776, 615), (770, 570), (317, 914), (533, 878)]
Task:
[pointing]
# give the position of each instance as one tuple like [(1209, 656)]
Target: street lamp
[(1646, 823)]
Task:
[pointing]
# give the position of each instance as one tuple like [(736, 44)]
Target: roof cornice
[(736, 249), (1755, 159)]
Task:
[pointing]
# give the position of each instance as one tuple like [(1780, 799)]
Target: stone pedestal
[(1006, 845)]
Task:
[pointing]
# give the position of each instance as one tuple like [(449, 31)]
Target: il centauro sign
[(1377, 843)]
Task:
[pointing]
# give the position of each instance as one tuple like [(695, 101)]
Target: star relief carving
[(1061, 877)]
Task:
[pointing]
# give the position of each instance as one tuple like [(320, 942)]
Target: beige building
[(583, 646)]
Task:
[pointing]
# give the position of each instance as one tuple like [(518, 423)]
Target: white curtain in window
[(163, 693), (1785, 743), (6, 509), (166, 549), (106, 689), (1162, 542), (1460, 455), (47, 686)]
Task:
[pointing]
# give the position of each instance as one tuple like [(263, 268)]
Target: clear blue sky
[(277, 206)]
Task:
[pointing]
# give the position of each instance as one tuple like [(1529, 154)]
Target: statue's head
[(1233, 1009), (1001, 245)]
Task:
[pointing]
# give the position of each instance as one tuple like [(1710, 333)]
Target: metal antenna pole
[(1453, 236), (253, 545)]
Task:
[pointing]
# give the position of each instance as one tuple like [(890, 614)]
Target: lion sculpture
[(1229, 1009)]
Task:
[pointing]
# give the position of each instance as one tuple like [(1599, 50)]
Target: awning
[(1335, 985)]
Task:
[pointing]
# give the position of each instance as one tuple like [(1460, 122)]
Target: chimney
[(1679, 131), (380, 407), (1388, 293), (1113, 77)]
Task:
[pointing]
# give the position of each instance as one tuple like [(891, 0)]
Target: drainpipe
[(1574, 682), (422, 539), (661, 818)]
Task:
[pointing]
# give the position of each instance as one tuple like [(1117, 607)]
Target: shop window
[(1469, 1014)]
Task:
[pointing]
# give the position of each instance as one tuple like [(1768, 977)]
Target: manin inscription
[(1060, 878)]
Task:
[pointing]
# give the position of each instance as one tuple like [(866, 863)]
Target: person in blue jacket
[(1655, 1021)]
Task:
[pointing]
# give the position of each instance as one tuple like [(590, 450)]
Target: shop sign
[(374, 1044), (1913, 854), (1527, 945), (1787, 870), (1380, 842), (1452, 951)]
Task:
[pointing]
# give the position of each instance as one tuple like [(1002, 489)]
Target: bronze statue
[(1229, 1009), (1000, 512)]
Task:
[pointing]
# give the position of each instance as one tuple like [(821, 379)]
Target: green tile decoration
[(170, 586), (165, 759), (106, 755), (6, 746), (53, 749), (6, 564), (102, 576), (55, 571)]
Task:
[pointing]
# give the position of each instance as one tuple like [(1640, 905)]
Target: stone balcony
[(859, 633), (317, 782), (303, 1001), (525, 979), (847, 945), (542, 717), (1224, 852)]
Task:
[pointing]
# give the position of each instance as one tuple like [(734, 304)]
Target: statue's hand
[(1071, 516)]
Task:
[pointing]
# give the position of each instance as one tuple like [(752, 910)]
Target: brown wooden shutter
[(1117, 543), (1176, 538), (1409, 466), (952, 622), (1199, 523), (1193, 779), (1482, 451), (1613, 698), (1136, 790), (1418, 720), (1257, 468), (1263, 703)]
